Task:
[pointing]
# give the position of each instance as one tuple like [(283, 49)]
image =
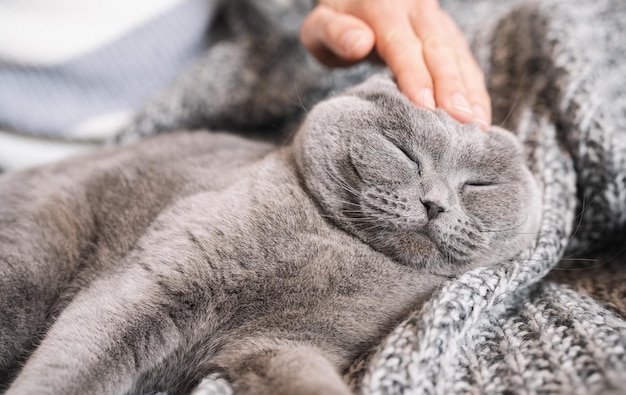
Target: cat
[(147, 267)]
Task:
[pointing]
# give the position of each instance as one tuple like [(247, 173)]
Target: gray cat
[(146, 268)]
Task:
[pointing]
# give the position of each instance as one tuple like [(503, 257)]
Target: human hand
[(420, 43)]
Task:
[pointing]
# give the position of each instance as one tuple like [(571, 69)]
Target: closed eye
[(413, 159), (481, 183)]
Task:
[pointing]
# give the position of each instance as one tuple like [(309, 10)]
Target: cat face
[(415, 184)]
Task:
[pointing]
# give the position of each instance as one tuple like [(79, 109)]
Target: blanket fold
[(555, 70)]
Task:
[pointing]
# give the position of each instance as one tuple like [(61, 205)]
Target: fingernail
[(480, 116), (352, 41), (460, 103), (428, 99)]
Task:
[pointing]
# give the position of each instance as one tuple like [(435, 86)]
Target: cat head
[(416, 185)]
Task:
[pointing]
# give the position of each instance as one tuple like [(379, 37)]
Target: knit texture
[(556, 73)]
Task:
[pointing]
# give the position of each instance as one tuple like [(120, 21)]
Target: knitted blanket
[(553, 320)]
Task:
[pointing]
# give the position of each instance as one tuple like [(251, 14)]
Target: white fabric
[(68, 28), (102, 126), (20, 151)]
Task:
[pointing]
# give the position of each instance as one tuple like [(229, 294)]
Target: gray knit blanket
[(553, 320)]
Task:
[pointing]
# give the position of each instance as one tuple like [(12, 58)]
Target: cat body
[(148, 267)]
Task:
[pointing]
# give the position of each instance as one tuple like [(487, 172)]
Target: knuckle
[(390, 38), (450, 78), (395, 47), (455, 82), (476, 79), (435, 42), (407, 70)]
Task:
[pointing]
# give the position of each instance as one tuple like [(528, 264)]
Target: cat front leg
[(286, 370), (45, 223), (102, 341)]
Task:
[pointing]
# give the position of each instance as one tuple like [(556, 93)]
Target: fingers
[(420, 43), (402, 51), (472, 75), (440, 58), (458, 81), (334, 38)]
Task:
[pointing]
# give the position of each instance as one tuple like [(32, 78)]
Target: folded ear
[(381, 84)]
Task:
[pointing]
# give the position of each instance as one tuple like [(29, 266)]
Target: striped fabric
[(79, 69)]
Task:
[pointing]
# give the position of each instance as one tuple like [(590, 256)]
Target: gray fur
[(146, 268)]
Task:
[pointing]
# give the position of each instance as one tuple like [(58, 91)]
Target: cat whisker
[(588, 244), (356, 216), (340, 200), (300, 101), (580, 217), (447, 256), (343, 184), (516, 99), (585, 205), (373, 226), (599, 263), (353, 218), (484, 230), (576, 269), (345, 202), (359, 219), (382, 216), (582, 259), (580, 220)]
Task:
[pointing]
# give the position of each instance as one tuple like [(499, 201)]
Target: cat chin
[(504, 247), (420, 252)]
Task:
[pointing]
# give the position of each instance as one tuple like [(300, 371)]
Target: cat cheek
[(493, 207)]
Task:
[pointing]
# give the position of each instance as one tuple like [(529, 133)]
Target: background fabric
[(73, 72), (556, 72)]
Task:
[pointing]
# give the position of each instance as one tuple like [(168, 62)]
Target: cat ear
[(381, 84), (506, 135)]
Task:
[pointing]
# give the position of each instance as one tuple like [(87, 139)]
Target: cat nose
[(432, 209)]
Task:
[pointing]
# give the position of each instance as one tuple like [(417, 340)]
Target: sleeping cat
[(146, 268)]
